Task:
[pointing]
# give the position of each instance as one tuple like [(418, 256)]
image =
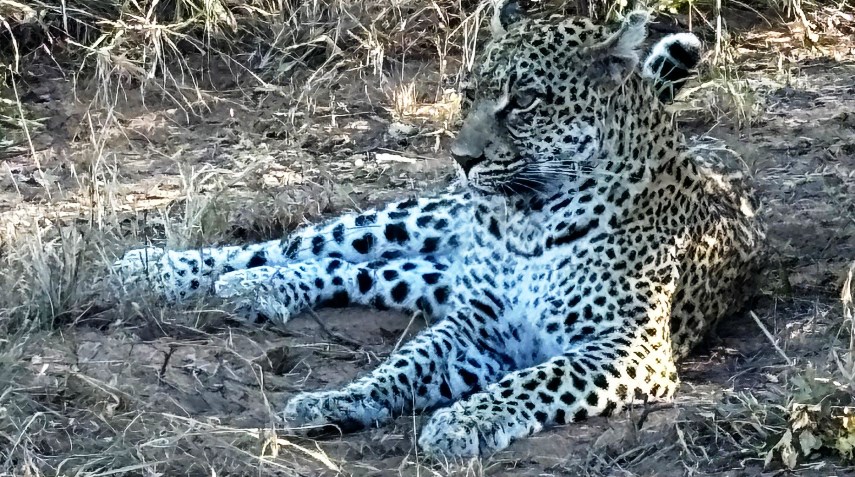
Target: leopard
[(583, 249)]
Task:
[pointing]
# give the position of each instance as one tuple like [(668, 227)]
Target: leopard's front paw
[(348, 410), (462, 431), (260, 294)]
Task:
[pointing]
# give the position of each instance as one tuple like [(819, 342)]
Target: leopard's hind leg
[(413, 228)]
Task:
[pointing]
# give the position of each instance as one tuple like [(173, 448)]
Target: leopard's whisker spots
[(547, 169)]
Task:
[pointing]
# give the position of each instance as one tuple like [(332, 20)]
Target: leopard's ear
[(614, 59), (671, 62), (505, 14)]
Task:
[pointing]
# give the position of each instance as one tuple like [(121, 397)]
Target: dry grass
[(802, 413), (96, 380)]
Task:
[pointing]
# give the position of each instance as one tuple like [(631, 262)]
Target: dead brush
[(52, 285), (299, 47), (723, 93), (737, 428), (810, 415), (821, 411), (16, 127)]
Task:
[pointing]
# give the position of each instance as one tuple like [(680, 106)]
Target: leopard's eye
[(522, 101)]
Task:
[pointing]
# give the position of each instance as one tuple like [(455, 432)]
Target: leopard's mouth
[(520, 181), (507, 187)]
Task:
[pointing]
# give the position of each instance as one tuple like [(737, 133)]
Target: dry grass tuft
[(799, 417), (821, 409)]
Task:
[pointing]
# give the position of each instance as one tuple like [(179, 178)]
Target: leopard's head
[(543, 91)]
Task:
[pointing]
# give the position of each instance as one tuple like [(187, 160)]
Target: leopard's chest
[(513, 252)]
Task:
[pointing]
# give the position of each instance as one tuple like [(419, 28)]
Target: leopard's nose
[(467, 160)]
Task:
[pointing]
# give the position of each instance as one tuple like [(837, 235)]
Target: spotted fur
[(584, 250)]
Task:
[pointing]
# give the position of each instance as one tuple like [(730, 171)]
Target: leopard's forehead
[(536, 44)]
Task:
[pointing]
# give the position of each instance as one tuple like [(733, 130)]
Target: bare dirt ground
[(126, 386)]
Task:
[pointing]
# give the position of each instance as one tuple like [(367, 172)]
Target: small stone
[(358, 160), (400, 131)]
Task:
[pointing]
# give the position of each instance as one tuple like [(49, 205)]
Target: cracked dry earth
[(191, 394)]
